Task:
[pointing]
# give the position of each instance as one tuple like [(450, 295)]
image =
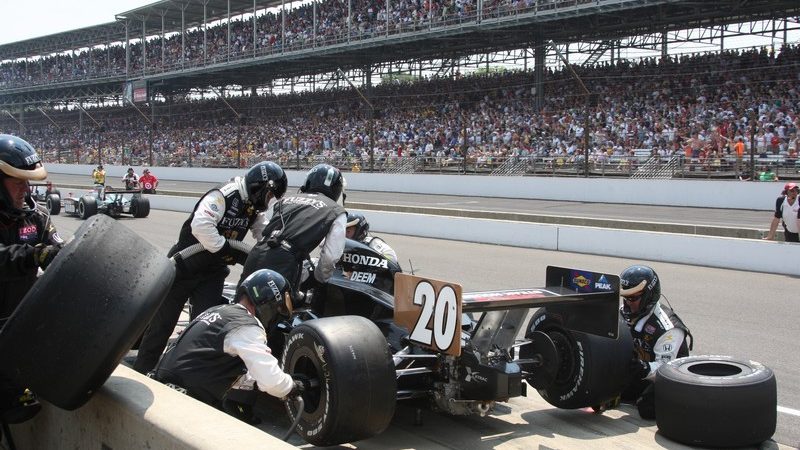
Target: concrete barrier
[(731, 194), (713, 251), (729, 253), (134, 412)]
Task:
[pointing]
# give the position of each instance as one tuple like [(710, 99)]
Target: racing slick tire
[(716, 401), (592, 370), (79, 319), (353, 386), (87, 207), (53, 204), (140, 207)]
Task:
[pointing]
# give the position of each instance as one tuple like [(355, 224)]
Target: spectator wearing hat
[(786, 212), (148, 182)]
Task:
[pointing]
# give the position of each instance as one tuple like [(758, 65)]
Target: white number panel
[(430, 310)]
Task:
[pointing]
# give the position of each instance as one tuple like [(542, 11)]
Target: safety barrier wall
[(134, 412), (696, 193), (730, 253)]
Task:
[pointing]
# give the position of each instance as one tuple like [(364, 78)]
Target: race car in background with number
[(109, 201), (374, 332)]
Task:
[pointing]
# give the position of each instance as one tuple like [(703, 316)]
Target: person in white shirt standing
[(787, 211)]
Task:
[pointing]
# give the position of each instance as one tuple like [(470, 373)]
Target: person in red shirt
[(148, 182)]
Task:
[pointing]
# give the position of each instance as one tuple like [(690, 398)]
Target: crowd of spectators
[(336, 21), (701, 106)]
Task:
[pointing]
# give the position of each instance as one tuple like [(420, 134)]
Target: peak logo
[(602, 284)]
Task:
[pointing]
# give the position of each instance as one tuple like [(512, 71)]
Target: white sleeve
[(205, 219), (666, 349), (250, 344), (332, 249), (262, 219)]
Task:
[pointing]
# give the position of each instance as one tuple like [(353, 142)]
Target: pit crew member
[(223, 213), (224, 350), (659, 335), (28, 242), (299, 224)]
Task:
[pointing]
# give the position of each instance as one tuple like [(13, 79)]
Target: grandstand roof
[(192, 12), (79, 38), (151, 14)]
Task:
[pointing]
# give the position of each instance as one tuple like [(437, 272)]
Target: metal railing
[(676, 166)]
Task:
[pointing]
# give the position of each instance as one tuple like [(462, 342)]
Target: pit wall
[(134, 412), (697, 193)]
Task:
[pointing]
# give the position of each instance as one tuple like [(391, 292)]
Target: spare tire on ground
[(74, 326), (353, 391), (716, 401), (591, 369)]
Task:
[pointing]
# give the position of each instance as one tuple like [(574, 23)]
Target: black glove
[(180, 264), (231, 256), (638, 369), (301, 385), (43, 255)]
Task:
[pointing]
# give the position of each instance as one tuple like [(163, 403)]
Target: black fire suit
[(299, 223), (223, 347), (658, 338), (18, 236), (221, 214)]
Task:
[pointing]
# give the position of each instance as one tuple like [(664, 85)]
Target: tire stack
[(716, 401)]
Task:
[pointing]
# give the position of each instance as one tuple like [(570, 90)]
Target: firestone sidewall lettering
[(316, 426), (578, 380), (365, 260)]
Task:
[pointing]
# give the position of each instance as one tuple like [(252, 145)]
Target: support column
[(283, 26), (539, 57), (255, 34), (127, 51), (163, 44), (205, 34), (229, 30), (664, 45), (183, 35), (144, 47)]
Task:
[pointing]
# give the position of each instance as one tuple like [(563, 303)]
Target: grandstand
[(407, 86)]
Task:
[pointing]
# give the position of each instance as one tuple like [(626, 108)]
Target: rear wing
[(582, 300)]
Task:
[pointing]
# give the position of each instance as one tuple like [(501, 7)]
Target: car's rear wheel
[(53, 204), (353, 383), (80, 318), (591, 369), (140, 207), (87, 207)]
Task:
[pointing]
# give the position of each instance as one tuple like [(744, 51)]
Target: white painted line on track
[(785, 410)]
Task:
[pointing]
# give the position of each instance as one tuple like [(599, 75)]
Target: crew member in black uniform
[(29, 242), (299, 223), (225, 349), (659, 335), (223, 213)]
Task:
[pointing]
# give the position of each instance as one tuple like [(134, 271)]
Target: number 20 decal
[(442, 308)]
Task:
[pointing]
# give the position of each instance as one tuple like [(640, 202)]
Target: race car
[(373, 332), (46, 194), (109, 201)]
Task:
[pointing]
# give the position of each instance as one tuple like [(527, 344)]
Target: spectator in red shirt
[(148, 182)]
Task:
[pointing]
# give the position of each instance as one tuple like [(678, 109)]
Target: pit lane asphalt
[(730, 312), (707, 221)]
